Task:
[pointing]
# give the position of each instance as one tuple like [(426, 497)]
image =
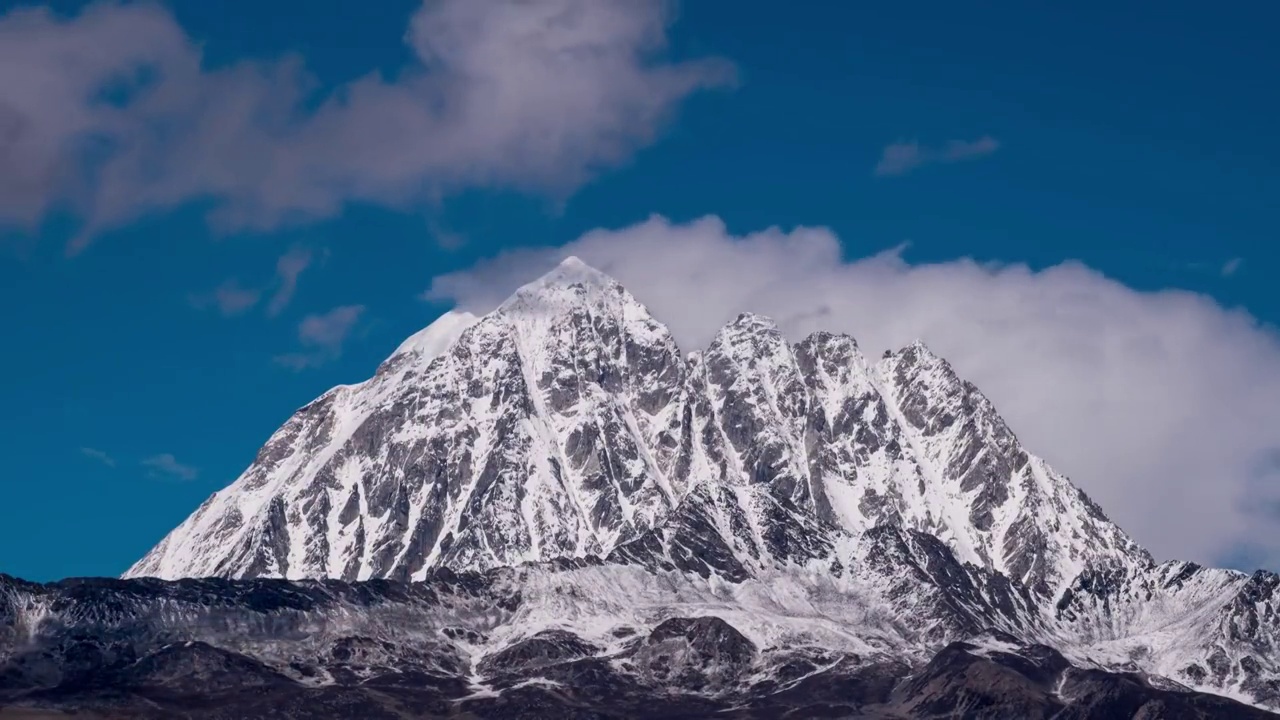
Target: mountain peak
[(438, 336), (748, 324), (750, 319), (573, 263), (918, 350), (571, 271), (571, 283)]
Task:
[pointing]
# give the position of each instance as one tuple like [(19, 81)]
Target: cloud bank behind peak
[(1163, 406)]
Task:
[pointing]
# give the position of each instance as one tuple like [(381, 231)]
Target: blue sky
[(1143, 146)]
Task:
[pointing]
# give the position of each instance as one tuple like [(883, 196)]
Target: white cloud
[(99, 455), (322, 337), (1232, 266), (231, 298), (1163, 406), (901, 158), (165, 464), (288, 268), (330, 329), (113, 112)]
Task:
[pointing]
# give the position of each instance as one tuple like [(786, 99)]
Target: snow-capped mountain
[(803, 493), (567, 423)]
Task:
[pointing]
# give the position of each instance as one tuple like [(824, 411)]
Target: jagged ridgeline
[(568, 423), (553, 509)]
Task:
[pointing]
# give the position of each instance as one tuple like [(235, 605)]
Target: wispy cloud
[(322, 337), (99, 455), (1232, 266), (901, 158), (527, 96), (445, 237), (329, 330), (166, 465), (288, 268), (966, 149), (232, 298)]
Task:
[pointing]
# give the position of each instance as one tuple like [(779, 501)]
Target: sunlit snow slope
[(568, 424)]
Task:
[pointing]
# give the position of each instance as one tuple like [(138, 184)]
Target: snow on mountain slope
[(1006, 506), (567, 423), (435, 338), (525, 438), (555, 640), (1202, 627), (567, 426)]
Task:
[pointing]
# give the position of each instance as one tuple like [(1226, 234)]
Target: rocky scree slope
[(571, 639)]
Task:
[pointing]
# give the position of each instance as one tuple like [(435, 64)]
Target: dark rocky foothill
[(111, 656)]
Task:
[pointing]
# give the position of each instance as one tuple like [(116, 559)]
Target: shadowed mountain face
[(552, 510)]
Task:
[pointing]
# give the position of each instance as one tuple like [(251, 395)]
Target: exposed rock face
[(758, 520), (567, 423)]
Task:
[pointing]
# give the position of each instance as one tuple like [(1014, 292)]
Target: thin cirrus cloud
[(99, 455), (901, 158), (232, 298), (113, 113), (322, 337), (288, 268), (1161, 405), (167, 466)]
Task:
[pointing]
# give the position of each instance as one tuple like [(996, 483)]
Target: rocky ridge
[(568, 423)]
